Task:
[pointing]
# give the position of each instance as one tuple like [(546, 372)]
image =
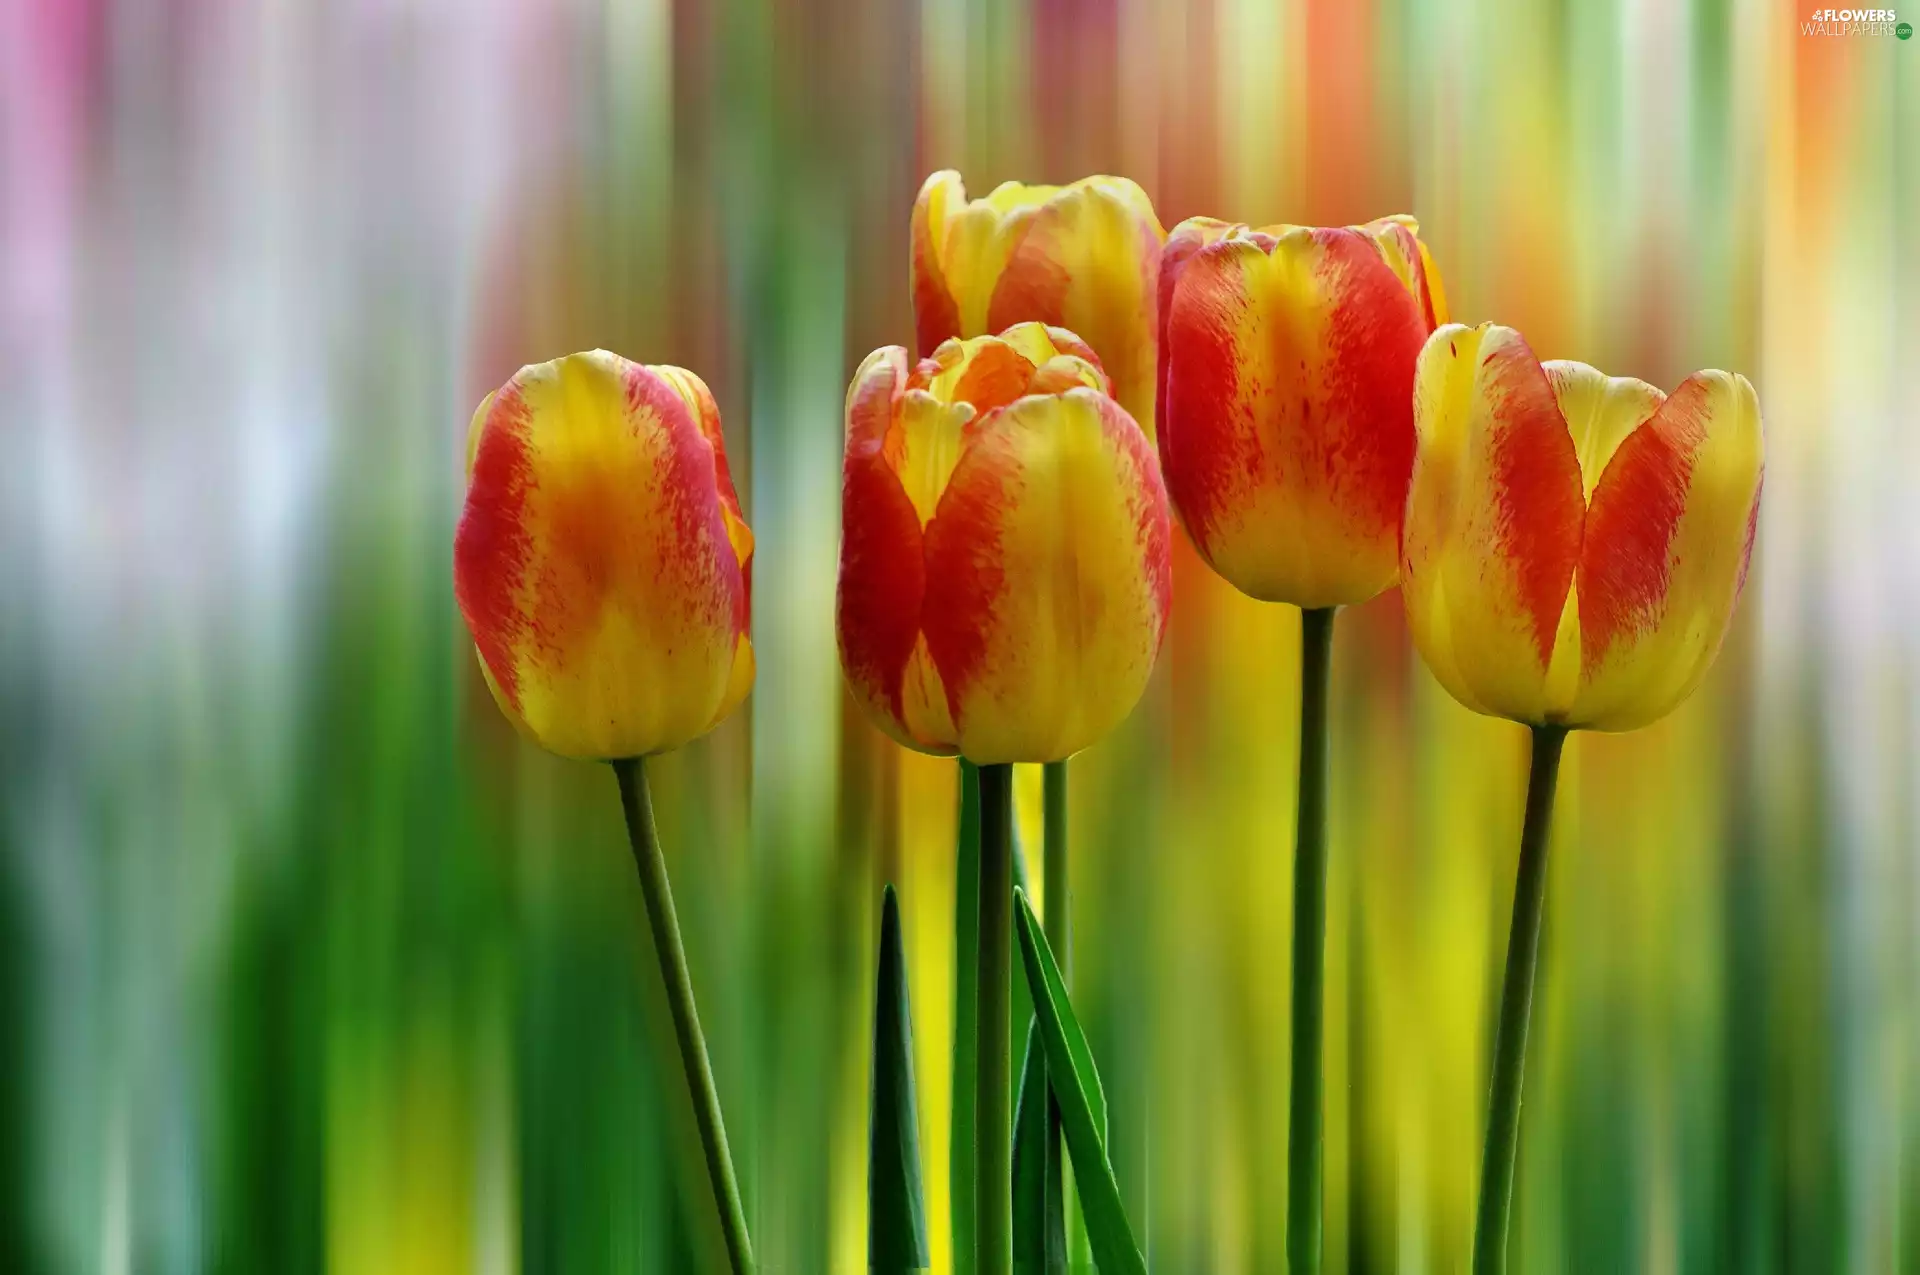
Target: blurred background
[(307, 962)]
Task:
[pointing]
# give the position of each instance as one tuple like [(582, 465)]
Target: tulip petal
[(1289, 413), (1048, 559), (593, 562), (936, 314), (1493, 521), (1187, 239), (1600, 411), (699, 400), (1087, 259), (882, 568), (1398, 238), (1669, 534), (480, 414)]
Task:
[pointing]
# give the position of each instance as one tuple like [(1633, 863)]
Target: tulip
[(603, 569), (1575, 544), (1004, 583), (1286, 418), (1004, 570), (1286, 436), (601, 561), (1084, 257)]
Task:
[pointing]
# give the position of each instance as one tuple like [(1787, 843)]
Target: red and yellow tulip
[(1286, 386), (601, 561), (1004, 572), (1084, 257), (1575, 542)]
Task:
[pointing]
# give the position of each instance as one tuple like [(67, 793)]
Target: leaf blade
[(896, 1202), (1083, 1109)]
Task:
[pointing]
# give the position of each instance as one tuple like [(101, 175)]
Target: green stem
[(1309, 948), (1058, 931), (966, 1008), (993, 1101), (638, 805), (1516, 1007)]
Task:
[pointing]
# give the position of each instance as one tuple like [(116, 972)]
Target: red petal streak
[(997, 375), (882, 577), (1033, 287), (1537, 489), (1636, 511), (1374, 335), (1188, 238), (1746, 548), (708, 419), (963, 554), (492, 548), (1208, 437)]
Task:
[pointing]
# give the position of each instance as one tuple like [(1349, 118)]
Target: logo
[(1824, 22)]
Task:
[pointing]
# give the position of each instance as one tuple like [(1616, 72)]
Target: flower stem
[(638, 805), (966, 1010), (1516, 1007), (1058, 930), (1309, 948), (993, 1101)]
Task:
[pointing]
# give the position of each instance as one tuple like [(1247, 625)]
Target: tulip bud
[(1004, 570), (1084, 257), (1286, 430), (1575, 543), (601, 561)]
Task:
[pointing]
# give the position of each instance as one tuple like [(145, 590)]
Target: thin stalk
[(638, 805), (1516, 1008), (1309, 948), (993, 1100), (966, 1009), (1058, 931)]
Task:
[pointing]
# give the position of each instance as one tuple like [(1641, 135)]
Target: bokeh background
[(307, 962)]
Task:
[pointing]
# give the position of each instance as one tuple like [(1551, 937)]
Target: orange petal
[(1051, 548), (1493, 521), (936, 315), (1669, 534), (882, 568), (1089, 260)]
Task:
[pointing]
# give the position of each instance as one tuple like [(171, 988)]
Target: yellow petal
[(1051, 549), (1668, 538), (1493, 521)]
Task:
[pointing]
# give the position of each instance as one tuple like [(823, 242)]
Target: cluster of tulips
[(1569, 548)]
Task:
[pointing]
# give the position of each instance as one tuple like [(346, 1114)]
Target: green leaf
[(1030, 1160), (1083, 1104), (896, 1206), (966, 1010)]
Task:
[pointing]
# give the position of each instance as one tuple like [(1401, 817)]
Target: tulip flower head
[(1084, 257), (601, 561), (1004, 570), (1286, 387), (1575, 543)]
